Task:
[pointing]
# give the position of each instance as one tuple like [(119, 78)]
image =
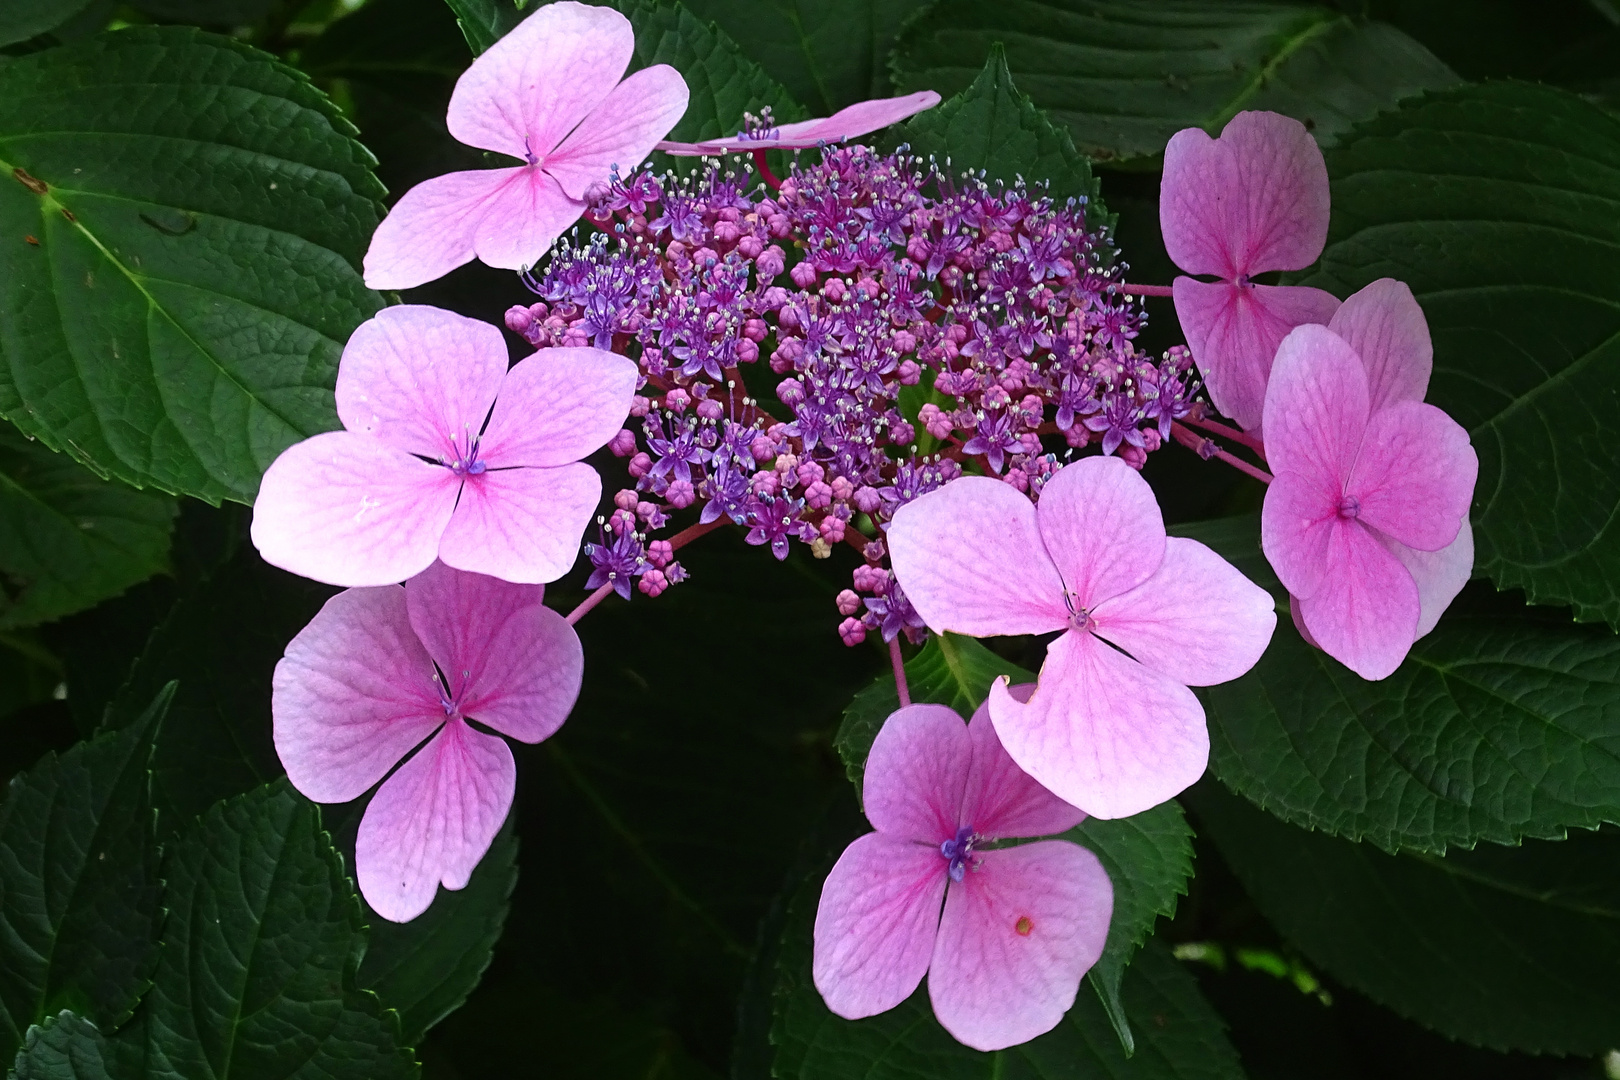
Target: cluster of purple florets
[(916, 326)]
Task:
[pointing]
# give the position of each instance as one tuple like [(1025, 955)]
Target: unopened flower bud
[(817, 495), (852, 631), (710, 409), (640, 405), (810, 472), (750, 246), (908, 372), (639, 466), (747, 351), (763, 448), (627, 499), (727, 232), (1134, 456), (832, 529), (1016, 478), (653, 582), (835, 290), (621, 522), (677, 400), (803, 275), (848, 602), (660, 552), (872, 579), (680, 494), (770, 263), (518, 319), (820, 549), (623, 444), (765, 484), (842, 489), (867, 499)]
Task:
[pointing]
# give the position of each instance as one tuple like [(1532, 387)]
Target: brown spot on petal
[(1024, 925)]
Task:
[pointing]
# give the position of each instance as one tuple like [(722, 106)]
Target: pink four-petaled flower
[(851, 122), (1111, 727), (1019, 926), (447, 454), (361, 685), (1251, 201), (1366, 520), (548, 94)]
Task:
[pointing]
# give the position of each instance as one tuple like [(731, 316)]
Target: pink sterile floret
[(1366, 520), (447, 454), (359, 687), (548, 94), (1111, 727), (1019, 925), (1251, 201), (861, 118)]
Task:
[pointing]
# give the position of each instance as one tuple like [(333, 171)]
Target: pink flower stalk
[(1251, 201), (359, 688), (548, 94), (861, 118), (447, 455), (1019, 926), (1366, 520), (1111, 726)]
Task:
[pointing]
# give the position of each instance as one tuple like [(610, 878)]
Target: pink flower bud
[(835, 290), (803, 275), (872, 579), (710, 409), (623, 444), (832, 529), (995, 398), (677, 400), (750, 246), (640, 405), (763, 448), (771, 262), (1152, 440), (627, 499), (902, 434), (1016, 478), (817, 495), (1077, 436), (867, 499), (848, 602), (639, 466), (653, 582), (810, 472), (909, 373), (1134, 456), (727, 232), (779, 225), (518, 319), (661, 552), (842, 489), (621, 522), (853, 631), (785, 463), (575, 338), (905, 341), (765, 484), (681, 494), (747, 351), (917, 248)]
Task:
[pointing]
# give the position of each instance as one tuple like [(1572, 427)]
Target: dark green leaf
[(1500, 205), (69, 539), (29, 673), (78, 883), (1125, 75), (1500, 947), (424, 969), (389, 40), (257, 973), (181, 219), (23, 19), (484, 22), (223, 13), (1504, 722), (64, 1047)]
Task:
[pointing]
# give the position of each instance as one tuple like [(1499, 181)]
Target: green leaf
[(256, 979), (69, 539), (424, 969), (78, 883), (64, 1047), (181, 222), (23, 19), (484, 22), (1181, 1036), (992, 126), (225, 13), (1500, 947), (1500, 205), (1504, 722), (1125, 75), (828, 53)]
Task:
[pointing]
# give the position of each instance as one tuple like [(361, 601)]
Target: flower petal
[(1102, 526), (1385, 326), (1316, 407), (433, 820), (523, 218), (533, 86), (429, 232), (915, 774), (558, 406), (1101, 731), (348, 509), (352, 695), (853, 121), (522, 524), (1439, 575), (420, 378), (1017, 935), (1234, 332), (970, 558), (1415, 476), (620, 132), (876, 923), (1200, 211), (1366, 613), (1197, 619), (513, 663), (1002, 801), (1297, 521)]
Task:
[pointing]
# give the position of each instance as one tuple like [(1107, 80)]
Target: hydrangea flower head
[(548, 94), (861, 118), (446, 454), (1019, 926), (1366, 520), (1251, 201), (1111, 726), (380, 670)]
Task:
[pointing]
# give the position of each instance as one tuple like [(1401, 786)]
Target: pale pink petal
[(433, 820), (1200, 205), (1016, 936), (1197, 619), (1385, 326), (522, 525), (1366, 613), (1299, 623), (876, 923), (430, 230), (861, 118), (353, 694), (421, 379), (971, 560), (1439, 575), (348, 509), (1233, 332), (620, 132), (558, 406), (513, 663), (1415, 477), (1102, 526), (523, 218), (915, 774), (1297, 521), (1002, 801), (533, 86), (1316, 407), (1101, 731)]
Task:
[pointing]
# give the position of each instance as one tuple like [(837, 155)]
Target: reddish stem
[(1145, 290), (676, 542), (900, 686), (1192, 440), (1215, 428), (765, 171)]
